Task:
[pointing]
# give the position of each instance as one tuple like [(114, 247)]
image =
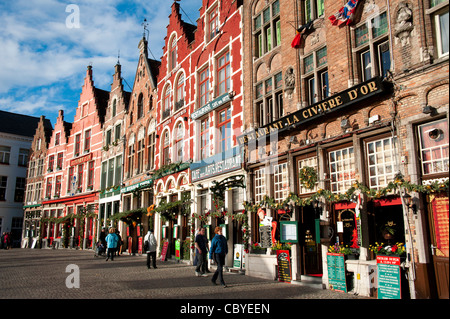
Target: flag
[(297, 41), (345, 14)]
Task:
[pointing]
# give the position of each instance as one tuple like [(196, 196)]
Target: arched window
[(179, 141), (140, 106), (166, 145), (173, 53), (180, 93), (130, 156)]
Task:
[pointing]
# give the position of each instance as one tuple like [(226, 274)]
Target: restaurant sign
[(81, 160), (217, 164), (355, 94), (208, 107)]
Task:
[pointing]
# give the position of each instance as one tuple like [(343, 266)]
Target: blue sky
[(44, 52)]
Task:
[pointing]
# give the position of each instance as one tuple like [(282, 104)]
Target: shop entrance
[(310, 242), (438, 209)]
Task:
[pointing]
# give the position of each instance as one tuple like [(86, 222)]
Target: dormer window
[(173, 53)]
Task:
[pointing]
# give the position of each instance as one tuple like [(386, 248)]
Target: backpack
[(146, 246)]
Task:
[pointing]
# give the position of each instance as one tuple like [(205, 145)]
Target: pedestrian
[(119, 243), (201, 246), (2, 241), (218, 251), (111, 243), (150, 248), (7, 241), (103, 236)]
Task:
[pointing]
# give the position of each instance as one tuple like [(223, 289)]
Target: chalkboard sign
[(284, 266), (164, 251), (389, 286), (336, 272), (265, 236)]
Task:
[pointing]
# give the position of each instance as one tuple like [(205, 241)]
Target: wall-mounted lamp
[(428, 109), (408, 200)]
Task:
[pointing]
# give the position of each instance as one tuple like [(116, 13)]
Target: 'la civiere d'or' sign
[(338, 101)]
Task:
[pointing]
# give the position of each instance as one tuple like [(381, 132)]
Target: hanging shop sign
[(344, 99), (214, 104), (133, 187), (218, 164), (389, 286), (284, 266), (336, 272)]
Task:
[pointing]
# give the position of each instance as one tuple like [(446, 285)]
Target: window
[(267, 29), (59, 161), (180, 93), (140, 154), (179, 142), (173, 53), (440, 21), (48, 191), (204, 138), (77, 144), (151, 150), (310, 162), (58, 185), (108, 138), (29, 196), (51, 163), (166, 106), (140, 106), (70, 180), (381, 162), (38, 192), (32, 169), (260, 184), (90, 180), (118, 172), (117, 132), (269, 99), (57, 139), (5, 153), (80, 177), (110, 179), (434, 147), (40, 169), (3, 184), (166, 145), (316, 75), (213, 23), (224, 73), (131, 156), (224, 130), (313, 9), (23, 157), (280, 182), (372, 47), (104, 175), (114, 108), (342, 169), (20, 189), (204, 87), (87, 140)]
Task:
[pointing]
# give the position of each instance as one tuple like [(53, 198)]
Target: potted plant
[(350, 253), (281, 246), (257, 249)]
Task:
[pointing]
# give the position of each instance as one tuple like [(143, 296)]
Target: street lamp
[(408, 200)]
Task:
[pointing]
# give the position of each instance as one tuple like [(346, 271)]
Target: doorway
[(310, 242)]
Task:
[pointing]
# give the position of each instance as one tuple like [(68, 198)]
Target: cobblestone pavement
[(42, 274)]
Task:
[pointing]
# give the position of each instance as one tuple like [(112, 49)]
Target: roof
[(18, 124)]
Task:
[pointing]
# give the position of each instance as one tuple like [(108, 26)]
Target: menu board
[(388, 277), (177, 249), (440, 208), (284, 266), (164, 251), (265, 236), (336, 272)]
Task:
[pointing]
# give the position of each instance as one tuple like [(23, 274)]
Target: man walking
[(150, 248), (201, 244)]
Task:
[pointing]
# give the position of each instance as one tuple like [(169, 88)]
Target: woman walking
[(218, 251)]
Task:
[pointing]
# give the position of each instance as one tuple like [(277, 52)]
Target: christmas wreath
[(308, 177)]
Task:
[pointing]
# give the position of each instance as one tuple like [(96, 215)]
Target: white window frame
[(379, 160), (343, 175)]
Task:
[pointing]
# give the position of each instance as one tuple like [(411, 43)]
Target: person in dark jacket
[(218, 251)]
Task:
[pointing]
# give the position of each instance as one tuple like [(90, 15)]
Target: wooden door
[(438, 217)]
